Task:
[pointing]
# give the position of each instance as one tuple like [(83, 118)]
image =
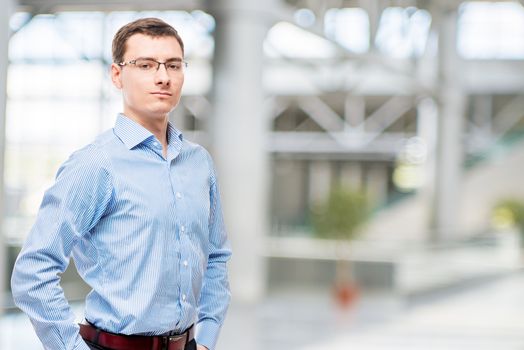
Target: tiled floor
[(489, 316)]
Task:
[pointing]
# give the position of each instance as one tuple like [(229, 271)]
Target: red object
[(135, 342), (346, 294)]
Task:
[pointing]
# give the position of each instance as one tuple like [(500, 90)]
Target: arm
[(215, 295), (70, 208)]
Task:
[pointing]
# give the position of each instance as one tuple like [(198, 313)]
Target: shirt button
[(182, 228), (178, 195), (185, 262), (183, 297)]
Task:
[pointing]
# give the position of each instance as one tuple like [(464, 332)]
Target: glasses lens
[(174, 66), (150, 65), (146, 64)]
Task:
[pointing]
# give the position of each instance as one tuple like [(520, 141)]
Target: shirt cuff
[(207, 332)]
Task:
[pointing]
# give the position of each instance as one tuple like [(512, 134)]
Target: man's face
[(149, 95)]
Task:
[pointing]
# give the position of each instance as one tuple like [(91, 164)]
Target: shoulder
[(197, 151), (90, 160), (96, 152), (200, 155), (105, 139), (196, 148)]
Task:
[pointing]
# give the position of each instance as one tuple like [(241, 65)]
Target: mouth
[(161, 93)]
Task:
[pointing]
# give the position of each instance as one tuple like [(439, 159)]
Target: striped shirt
[(146, 233)]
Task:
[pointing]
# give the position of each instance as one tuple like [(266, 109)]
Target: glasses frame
[(133, 62)]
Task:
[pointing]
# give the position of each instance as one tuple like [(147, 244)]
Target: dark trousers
[(189, 346)]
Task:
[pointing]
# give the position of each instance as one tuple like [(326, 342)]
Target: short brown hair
[(153, 27)]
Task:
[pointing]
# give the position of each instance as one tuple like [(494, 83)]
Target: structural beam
[(374, 9), (322, 114), (391, 111), (238, 134), (450, 129), (355, 112), (53, 6), (350, 145), (509, 116), (4, 61), (427, 128)]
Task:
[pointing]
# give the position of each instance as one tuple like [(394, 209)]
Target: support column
[(320, 175), (238, 134), (351, 175), (483, 120), (427, 126), (450, 130), (377, 184), (355, 112), (374, 9), (4, 61)]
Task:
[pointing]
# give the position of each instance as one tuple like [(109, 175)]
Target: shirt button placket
[(178, 195), (184, 262)]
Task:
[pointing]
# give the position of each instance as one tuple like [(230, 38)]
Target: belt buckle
[(175, 338), (171, 339)]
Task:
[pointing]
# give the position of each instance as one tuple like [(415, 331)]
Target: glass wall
[(60, 95)]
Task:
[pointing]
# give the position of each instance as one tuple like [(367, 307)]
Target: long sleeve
[(70, 208), (215, 295)]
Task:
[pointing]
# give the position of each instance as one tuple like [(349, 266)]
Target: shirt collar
[(132, 134), (174, 136)]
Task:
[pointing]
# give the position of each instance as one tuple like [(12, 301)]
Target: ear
[(116, 75)]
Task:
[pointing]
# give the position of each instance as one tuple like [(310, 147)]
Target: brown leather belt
[(114, 341)]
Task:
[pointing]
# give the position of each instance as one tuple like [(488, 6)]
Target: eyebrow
[(173, 59)]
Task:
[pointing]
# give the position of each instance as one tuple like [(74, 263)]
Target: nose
[(161, 75)]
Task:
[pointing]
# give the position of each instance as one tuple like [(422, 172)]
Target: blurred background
[(370, 156)]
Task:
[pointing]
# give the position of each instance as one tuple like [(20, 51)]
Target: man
[(139, 211)]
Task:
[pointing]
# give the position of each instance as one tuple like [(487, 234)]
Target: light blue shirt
[(146, 233)]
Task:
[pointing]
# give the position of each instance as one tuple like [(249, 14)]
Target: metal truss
[(354, 77)]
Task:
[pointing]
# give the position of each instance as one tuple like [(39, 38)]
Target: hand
[(201, 347)]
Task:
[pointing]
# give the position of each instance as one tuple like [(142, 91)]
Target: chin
[(161, 111)]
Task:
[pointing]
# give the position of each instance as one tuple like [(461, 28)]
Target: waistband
[(115, 341)]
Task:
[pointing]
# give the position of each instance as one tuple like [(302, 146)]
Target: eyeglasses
[(150, 65)]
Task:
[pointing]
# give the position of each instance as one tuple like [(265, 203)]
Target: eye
[(145, 64), (174, 66)]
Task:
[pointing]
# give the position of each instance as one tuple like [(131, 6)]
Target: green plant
[(339, 218), (510, 212), (341, 215)]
